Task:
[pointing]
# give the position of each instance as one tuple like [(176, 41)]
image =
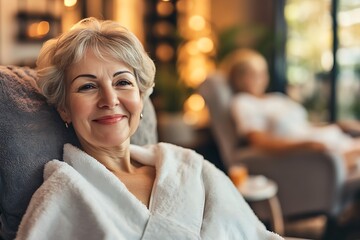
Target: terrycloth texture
[(191, 199), (31, 134)]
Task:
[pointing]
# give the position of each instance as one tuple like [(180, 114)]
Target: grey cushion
[(147, 130), (31, 134)]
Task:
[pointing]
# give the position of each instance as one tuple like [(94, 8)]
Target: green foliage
[(254, 36), (356, 104), (356, 109)]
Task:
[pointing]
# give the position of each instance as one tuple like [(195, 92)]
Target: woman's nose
[(108, 98)]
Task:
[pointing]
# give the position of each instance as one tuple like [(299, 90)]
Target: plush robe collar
[(178, 195)]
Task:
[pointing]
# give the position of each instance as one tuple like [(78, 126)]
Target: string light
[(69, 3), (38, 29), (197, 23)]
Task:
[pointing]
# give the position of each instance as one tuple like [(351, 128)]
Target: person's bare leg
[(352, 159), (350, 126)]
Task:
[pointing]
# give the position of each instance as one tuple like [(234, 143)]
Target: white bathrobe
[(190, 199)]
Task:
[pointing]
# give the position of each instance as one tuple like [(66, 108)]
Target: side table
[(260, 188)]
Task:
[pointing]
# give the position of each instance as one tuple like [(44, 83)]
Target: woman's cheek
[(80, 104), (132, 102)]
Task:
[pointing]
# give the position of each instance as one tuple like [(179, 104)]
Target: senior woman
[(273, 121), (97, 75)]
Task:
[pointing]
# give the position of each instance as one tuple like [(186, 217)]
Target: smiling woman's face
[(103, 101)]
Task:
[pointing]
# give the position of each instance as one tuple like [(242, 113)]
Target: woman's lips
[(110, 119)]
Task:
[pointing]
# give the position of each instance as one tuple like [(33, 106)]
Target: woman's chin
[(112, 140)]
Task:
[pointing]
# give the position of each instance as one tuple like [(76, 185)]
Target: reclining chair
[(309, 182)]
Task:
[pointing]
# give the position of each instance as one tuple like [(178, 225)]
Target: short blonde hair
[(104, 38), (239, 57), (238, 62)]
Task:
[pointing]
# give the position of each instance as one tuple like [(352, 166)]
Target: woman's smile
[(110, 119)]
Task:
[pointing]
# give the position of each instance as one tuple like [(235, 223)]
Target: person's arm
[(351, 127), (267, 141)]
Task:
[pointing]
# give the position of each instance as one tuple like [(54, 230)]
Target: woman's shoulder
[(245, 96), (245, 100)]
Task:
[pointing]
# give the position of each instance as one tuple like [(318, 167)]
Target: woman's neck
[(116, 159)]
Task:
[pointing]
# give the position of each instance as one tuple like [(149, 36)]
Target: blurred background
[(312, 47)]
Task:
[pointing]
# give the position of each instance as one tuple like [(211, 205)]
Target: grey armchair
[(31, 134), (309, 182)]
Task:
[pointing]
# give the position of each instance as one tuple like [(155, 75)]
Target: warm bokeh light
[(127, 13), (32, 30), (164, 8), (196, 118), (181, 6), (165, 52), (195, 102), (69, 3), (197, 23), (163, 28), (194, 58), (194, 70), (196, 77), (191, 48), (205, 45), (38, 29), (43, 28)]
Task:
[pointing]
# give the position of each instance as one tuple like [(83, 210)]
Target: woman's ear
[(64, 114)]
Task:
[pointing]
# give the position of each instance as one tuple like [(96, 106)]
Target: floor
[(311, 228)]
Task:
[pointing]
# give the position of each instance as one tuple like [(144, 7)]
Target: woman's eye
[(86, 87), (123, 83)]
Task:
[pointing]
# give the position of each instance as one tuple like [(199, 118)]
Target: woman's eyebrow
[(94, 77), (121, 72), (84, 75)]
